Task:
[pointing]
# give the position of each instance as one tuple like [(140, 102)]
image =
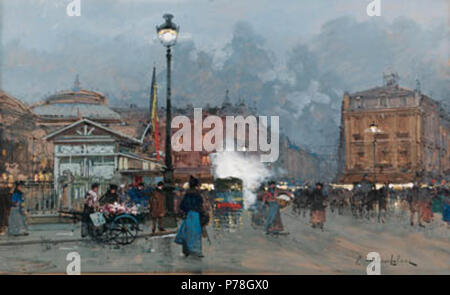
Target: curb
[(56, 241)]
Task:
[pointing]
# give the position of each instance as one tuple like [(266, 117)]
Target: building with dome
[(69, 106)]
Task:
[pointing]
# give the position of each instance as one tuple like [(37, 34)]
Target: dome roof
[(80, 96), (9, 103), (74, 104), (12, 109), (76, 110)]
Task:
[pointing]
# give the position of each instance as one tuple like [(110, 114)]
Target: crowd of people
[(190, 204), (195, 207), (269, 202), (421, 202), (152, 198)]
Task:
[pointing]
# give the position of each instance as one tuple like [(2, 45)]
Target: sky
[(293, 58), (43, 25)]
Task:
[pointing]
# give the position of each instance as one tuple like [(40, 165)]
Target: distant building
[(23, 153), (294, 162), (297, 164), (414, 143)]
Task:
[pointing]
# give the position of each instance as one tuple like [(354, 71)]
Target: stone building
[(297, 164), (413, 142), (23, 152)]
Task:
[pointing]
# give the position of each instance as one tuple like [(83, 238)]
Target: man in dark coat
[(111, 196), (318, 199), (137, 194), (5, 207), (157, 207)]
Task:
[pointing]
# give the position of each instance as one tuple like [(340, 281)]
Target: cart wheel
[(124, 230)]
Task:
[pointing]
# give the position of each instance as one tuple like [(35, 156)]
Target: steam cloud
[(249, 169)]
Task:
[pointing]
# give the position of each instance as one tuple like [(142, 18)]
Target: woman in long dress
[(17, 221), (190, 232), (274, 224)]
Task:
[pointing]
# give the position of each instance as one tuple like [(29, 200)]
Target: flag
[(154, 113)]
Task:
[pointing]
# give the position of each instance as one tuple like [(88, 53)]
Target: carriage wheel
[(124, 230)]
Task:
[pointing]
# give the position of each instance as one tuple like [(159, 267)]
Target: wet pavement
[(237, 247)]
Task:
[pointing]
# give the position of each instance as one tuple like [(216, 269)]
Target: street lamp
[(168, 34), (373, 128)]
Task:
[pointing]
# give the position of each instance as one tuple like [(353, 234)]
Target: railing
[(40, 197)]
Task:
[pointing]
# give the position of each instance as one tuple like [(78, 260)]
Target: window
[(206, 161)]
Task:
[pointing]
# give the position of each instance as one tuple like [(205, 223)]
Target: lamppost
[(373, 128), (168, 34)]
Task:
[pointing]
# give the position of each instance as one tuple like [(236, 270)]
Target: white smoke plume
[(249, 169)]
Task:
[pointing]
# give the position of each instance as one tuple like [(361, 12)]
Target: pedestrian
[(258, 216), (413, 198), (426, 212), (446, 208), (137, 194), (318, 205), (206, 214), (437, 201), (273, 224), (189, 234), (90, 205), (382, 198), (17, 219), (5, 207), (157, 207), (111, 196), (123, 194)]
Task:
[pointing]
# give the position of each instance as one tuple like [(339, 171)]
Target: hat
[(160, 183), (193, 182)]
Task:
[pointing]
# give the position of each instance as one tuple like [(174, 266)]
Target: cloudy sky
[(43, 27), (291, 57)]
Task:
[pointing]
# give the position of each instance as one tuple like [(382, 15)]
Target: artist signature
[(393, 260)]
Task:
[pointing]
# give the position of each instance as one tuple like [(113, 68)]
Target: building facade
[(412, 143), (86, 152)]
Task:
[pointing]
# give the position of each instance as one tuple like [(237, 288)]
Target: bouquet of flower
[(117, 208)]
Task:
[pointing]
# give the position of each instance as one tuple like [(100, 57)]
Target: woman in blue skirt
[(190, 232)]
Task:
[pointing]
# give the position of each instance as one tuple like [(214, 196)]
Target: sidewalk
[(60, 233)]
